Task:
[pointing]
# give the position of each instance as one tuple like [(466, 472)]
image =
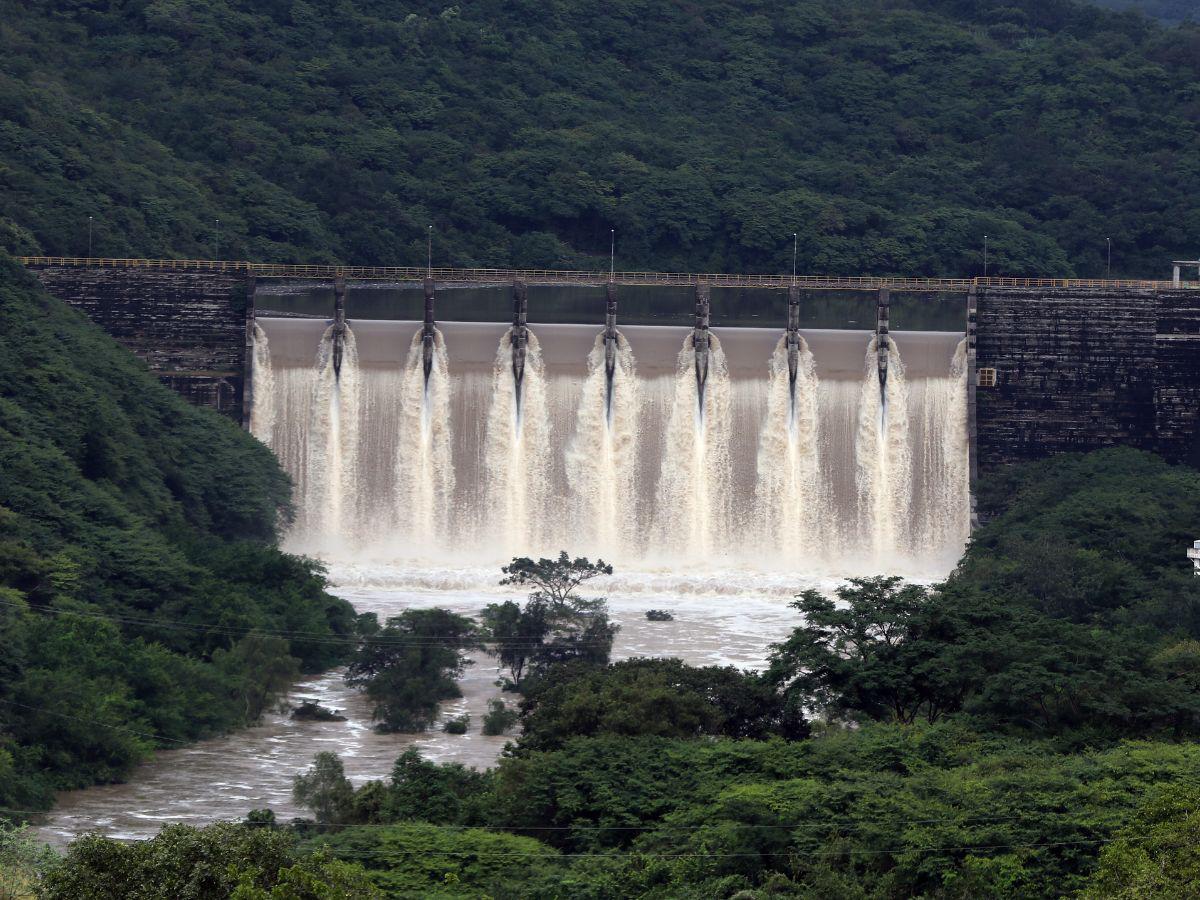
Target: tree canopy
[(890, 135)]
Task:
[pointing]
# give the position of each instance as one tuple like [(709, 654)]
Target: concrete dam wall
[(1078, 369), (1074, 368), (188, 327)]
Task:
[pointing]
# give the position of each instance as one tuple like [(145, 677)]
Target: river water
[(725, 618), (861, 496)]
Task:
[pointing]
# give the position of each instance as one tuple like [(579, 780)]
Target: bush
[(457, 725), (499, 718), (661, 697), (325, 789), (408, 667), (222, 860), (420, 860)]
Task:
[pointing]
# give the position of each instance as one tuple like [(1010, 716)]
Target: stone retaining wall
[(189, 327), (1080, 369)]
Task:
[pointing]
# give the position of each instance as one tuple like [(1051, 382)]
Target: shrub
[(499, 718)]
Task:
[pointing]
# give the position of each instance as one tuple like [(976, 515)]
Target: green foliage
[(457, 725), (660, 697), (139, 584), (23, 860), (870, 812), (891, 135), (1156, 855), (1070, 614), (325, 789), (419, 861), (223, 860), (1166, 10), (859, 656), (555, 625), (424, 791), (877, 811), (499, 719), (411, 664)]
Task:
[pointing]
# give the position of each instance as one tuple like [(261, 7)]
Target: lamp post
[(1108, 267), (429, 251), (612, 253), (985, 255), (795, 250), (89, 237), (217, 241)]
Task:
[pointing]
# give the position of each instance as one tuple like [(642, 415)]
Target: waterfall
[(517, 454), (790, 504), (328, 511), (601, 458), (424, 468), (693, 497), (883, 459), (262, 409), (830, 482), (944, 523)]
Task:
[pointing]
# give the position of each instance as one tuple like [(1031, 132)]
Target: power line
[(978, 821), (617, 853), (311, 637), (841, 851)]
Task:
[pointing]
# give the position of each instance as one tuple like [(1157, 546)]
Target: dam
[(723, 448), (389, 465), (783, 422)]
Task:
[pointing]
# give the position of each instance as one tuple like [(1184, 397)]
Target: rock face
[(1078, 369), (189, 327)]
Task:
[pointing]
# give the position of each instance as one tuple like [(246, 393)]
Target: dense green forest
[(891, 135), (1025, 729), (1167, 10), (137, 561)]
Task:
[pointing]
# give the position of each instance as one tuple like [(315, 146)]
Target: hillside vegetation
[(1167, 10), (891, 135), (140, 590)]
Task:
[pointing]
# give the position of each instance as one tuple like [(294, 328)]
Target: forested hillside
[(890, 134), (141, 596), (1167, 10)]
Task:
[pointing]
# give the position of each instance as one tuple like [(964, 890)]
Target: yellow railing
[(557, 276)]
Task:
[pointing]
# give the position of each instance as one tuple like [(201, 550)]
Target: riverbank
[(718, 621)]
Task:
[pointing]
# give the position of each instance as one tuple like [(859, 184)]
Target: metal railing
[(558, 276)]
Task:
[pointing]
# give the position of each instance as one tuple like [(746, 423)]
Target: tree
[(555, 624), (324, 789), (865, 658), (259, 668), (429, 792), (23, 860), (499, 718), (661, 697), (411, 664), (222, 860), (1157, 855)]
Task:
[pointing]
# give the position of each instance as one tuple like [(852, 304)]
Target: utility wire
[(298, 636), (974, 821)]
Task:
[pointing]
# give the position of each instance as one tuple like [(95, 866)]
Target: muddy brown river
[(726, 619)]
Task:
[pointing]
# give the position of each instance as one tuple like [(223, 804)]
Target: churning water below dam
[(717, 498)]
